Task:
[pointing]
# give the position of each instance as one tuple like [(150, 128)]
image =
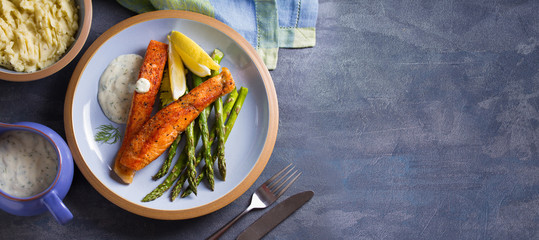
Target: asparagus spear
[(169, 180), (220, 122), (234, 99), (179, 184), (183, 159), (190, 170), (203, 128), (231, 100), (166, 164), (227, 108), (165, 96), (229, 105), (205, 134), (188, 191), (217, 56), (237, 108), (172, 176), (229, 125)]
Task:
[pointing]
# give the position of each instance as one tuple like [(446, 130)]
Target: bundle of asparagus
[(185, 167)]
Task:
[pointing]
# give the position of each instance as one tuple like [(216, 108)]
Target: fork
[(265, 195)]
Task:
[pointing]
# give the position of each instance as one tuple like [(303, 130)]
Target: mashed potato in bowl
[(34, 34)]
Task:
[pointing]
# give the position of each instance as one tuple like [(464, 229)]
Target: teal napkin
[(267, 24)]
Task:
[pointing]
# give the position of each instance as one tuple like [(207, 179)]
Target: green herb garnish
[(107, 134), (165, 93)]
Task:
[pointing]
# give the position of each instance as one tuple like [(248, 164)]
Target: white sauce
[(117, 85), (28, 163), (142, 85)]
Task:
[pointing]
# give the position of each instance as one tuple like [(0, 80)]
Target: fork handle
[(221, 231)]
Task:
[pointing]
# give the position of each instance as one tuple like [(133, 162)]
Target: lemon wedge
[(178, 83), (192, 55)]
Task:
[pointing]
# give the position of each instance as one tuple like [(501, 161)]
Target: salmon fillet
[(159, 132), (152, 69)]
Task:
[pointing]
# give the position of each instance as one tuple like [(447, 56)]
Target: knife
[(276, 215)]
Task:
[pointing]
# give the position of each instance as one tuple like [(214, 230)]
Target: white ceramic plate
[(249, 145)]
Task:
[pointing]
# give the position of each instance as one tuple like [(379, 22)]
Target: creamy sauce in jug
[(28, 163)]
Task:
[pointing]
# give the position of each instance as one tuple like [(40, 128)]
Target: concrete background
[(409, 119)]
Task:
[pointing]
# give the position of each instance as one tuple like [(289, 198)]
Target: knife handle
[(221, 231)]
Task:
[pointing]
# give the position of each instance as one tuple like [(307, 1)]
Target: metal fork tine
[(290, 183), (277, 174), (280, 179), (265, 195), (276, 189)]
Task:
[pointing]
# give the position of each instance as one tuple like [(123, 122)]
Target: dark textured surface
[(409, 119)]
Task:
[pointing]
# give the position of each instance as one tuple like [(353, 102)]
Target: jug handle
[(57, 207)]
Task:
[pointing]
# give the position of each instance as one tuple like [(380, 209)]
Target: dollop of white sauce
[(28, 163), (117, 85), (142, 85)]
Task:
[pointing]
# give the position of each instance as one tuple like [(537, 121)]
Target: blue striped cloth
[(267, 24)]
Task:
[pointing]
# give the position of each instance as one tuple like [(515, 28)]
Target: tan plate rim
[(66, 59), (184, 213)]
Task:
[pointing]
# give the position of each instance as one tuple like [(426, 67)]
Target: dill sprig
[(107, 133)]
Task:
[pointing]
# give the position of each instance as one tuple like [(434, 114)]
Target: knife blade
[(274, 216)]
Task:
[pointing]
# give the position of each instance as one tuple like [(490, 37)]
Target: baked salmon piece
[(159, 132), (141, 109)]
